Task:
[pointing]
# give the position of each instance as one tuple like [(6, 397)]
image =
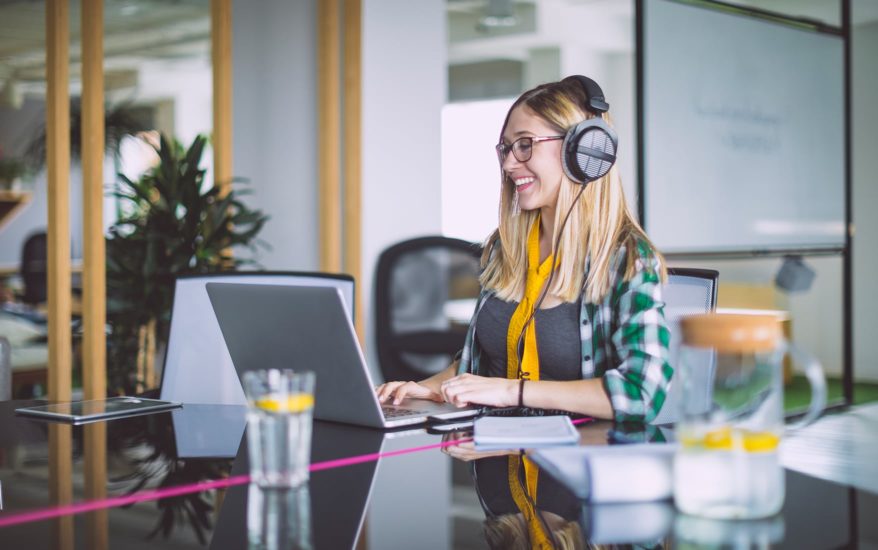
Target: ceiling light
[(500, 13)]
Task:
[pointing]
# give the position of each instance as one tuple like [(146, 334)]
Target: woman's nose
[(509, 162)]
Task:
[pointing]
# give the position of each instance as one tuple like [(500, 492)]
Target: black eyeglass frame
[(503, 149)]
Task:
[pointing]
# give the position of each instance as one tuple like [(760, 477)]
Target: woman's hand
[(400, 390), (465, 450), (467, 389)]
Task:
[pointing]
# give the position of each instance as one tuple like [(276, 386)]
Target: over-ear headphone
[(589, 148)]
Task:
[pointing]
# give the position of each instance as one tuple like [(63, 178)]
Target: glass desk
[(368, 488)]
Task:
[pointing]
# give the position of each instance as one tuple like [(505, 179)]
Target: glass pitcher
[(732, 417)]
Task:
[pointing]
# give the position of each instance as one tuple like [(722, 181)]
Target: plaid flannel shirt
[(624, 340)]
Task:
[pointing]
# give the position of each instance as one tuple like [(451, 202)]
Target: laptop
[(308, 328), (197, 366)]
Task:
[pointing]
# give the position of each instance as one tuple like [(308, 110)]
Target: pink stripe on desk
[(168, 492), (92, 505)]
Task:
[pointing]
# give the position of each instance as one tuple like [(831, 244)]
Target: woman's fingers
[(453, 386), (457, 394), (400, 390), (466, 389), (387, 389), (403, 390)]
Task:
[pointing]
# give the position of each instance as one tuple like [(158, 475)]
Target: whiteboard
[(743, 132)]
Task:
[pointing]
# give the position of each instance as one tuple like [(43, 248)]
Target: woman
[(570, 314)]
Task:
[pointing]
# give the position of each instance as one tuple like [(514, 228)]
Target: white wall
[(404, 88), (865, 198), (470, 172), (189, 84), (274, 127)]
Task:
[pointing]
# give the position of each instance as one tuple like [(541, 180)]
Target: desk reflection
[(544, 515), (413, 497), (525, 507), (279, 519), (327, 512)]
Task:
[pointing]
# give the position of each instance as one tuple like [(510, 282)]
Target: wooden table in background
[(10, 203)]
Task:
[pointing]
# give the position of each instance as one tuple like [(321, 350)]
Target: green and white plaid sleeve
[(637, 386)]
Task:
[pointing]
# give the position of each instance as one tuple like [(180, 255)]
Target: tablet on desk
[(83, 412)]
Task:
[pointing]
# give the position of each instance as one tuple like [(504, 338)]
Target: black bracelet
[(521, 393)]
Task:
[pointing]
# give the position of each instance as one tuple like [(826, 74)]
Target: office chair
[(197, 366), (425, 293), (34, 268), (688, 291)]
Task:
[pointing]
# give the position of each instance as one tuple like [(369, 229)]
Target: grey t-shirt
[(558, 344)]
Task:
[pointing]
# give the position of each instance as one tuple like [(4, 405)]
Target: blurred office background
[(436, 79)]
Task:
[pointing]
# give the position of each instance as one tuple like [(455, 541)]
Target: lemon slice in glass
[(297, 402)]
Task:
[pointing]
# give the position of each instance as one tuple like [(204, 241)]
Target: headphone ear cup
[(589, 150)]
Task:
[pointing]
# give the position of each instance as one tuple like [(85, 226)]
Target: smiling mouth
[(523, 183)]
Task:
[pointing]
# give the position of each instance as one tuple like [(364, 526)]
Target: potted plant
[(175, 225)]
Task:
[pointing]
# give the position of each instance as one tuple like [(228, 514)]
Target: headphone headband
[(593, 93)]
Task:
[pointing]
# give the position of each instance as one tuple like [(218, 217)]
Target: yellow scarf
[(537, 274)]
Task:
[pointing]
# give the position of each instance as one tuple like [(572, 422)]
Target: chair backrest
[(34, 268), (425, 293), (197, 367), (688, 291)]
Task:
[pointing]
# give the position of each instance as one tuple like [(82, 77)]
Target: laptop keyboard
[(390, 412)]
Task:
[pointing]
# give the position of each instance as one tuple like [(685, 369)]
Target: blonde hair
[(598, 226), (510, 532)]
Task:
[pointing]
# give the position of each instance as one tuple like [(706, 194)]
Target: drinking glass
[(732, 417), (279, 418)]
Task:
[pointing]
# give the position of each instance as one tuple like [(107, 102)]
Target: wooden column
[(94, 303), (58, 233), (94, 306), (329, 133), (221, 57), (58, 168), (352, 154)]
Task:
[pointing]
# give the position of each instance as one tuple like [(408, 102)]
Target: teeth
[(523, 181)]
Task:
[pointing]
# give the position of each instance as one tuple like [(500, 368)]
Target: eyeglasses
[(522, 148)]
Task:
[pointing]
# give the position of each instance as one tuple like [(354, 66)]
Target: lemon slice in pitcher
[(760, 442), (727, 439), (298, 402), (720, 439)]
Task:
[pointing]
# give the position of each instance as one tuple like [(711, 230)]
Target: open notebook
[(523, 432)]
